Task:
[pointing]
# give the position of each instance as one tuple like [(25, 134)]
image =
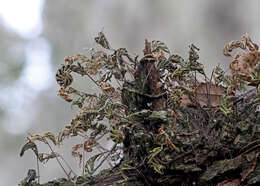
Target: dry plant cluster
[(136, 106)]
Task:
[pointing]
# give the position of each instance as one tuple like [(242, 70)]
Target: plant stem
[(59, 161), (97, 167)]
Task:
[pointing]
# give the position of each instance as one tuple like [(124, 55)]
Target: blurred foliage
[(11, 73), (11, 62)]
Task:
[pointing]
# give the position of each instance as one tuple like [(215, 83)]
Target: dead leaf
[(51, 137), (64, 94), (207, 94), (102, 40), (44, 157), (37, 137), (27, 146), (107, 87), (244, 64)]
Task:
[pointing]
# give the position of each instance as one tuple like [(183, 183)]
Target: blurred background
[(36, 35)]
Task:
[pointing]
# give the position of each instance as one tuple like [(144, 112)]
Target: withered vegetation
[(170, 124)]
